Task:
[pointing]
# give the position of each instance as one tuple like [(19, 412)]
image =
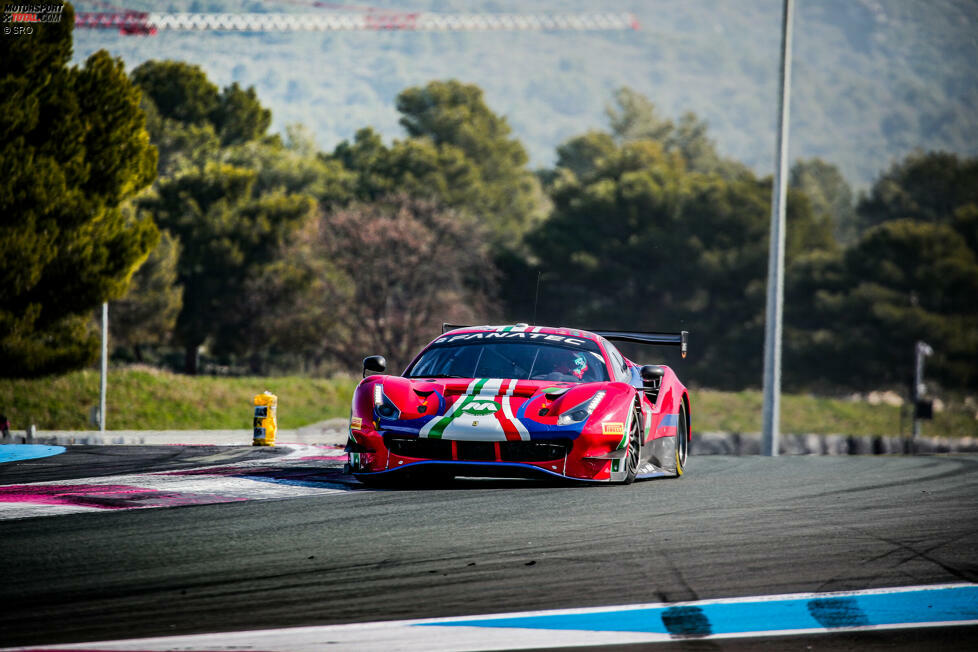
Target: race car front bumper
[(391, 452)]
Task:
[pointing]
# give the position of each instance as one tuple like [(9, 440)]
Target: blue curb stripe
[(19, 452), (917, 606)]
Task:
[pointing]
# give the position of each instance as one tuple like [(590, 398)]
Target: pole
[(105, 366), (775, 266), (920, 350)]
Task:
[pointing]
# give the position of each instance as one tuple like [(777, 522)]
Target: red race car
[(522, 401)]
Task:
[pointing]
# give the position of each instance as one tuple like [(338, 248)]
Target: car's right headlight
[(384, 406), (580, 412)]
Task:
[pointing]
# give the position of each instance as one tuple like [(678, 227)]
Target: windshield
[(520, 360)]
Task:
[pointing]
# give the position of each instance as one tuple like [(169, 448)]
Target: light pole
[(775, 265)]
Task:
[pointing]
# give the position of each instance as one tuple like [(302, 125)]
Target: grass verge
[(150, 399), (141, 398), (802, 414)]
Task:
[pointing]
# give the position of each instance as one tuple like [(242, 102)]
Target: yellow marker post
[(266, 406)]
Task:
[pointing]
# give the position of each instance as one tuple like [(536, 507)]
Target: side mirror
[(652, 373), (375, 363)]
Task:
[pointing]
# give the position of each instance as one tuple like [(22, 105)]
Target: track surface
[(102, 461), (731, 527)]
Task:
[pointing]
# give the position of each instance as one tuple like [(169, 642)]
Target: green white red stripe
[(463, 420)]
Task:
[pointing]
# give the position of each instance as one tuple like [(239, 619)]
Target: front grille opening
[(431, 449), (534, 451), (477, 451)]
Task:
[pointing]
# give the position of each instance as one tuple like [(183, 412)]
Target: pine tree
[(73, 147)]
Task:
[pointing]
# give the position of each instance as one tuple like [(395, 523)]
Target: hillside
[(872, 80)]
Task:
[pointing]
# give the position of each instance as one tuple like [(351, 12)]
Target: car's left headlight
[(580, 412)]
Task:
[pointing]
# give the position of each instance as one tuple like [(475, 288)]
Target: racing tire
[(682, 442), (633, 454)]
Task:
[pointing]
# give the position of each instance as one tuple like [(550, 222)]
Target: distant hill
[(873, 79)]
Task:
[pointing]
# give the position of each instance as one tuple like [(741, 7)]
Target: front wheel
[(634, 455)]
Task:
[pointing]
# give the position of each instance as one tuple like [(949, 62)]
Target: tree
[(452, 114), (853, 315), (292, 169), (227, 233), (635, 118), (817, 340), (416, 167), (148, 312), (234, 198), (928, 187), (189, 119), (829, 193), (642, 243), (903, 281), (74, 147), (179, 91), (411, 265), (239, 117), (294, 302), (582, 154)]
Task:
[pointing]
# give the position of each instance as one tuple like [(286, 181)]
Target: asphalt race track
[(733, 526)]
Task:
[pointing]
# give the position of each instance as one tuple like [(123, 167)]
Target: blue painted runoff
[(916, 606), (18, 452)]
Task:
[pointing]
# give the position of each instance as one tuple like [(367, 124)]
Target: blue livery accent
[(669, 420), (295, 483), (538, 431), (19, 452), (912, 606)]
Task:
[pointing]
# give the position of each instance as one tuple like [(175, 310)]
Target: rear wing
[(679, 339), (445, 327)]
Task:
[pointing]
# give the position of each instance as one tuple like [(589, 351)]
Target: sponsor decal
[(356, 423), (481, 407), (612, 428), (507, 335)]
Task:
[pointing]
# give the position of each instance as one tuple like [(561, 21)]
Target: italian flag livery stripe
[(513, 429), (483, 413), (518, 329)]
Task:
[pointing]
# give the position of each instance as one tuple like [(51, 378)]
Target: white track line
[(455, 634), (185, 486)]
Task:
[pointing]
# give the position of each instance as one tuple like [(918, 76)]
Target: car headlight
[(580, 412), (383, 405)]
